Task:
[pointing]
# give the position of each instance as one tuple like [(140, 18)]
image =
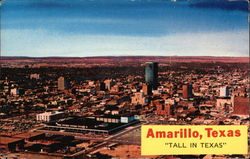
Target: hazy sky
[(125, 27)]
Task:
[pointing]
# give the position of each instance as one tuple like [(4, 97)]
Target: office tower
[(109, 83), (151, 74), (147, 89), (224, 91), (63, 84), (187, 91), (14, 91)]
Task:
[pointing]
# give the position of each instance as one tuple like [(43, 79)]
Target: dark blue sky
[(111, 27)]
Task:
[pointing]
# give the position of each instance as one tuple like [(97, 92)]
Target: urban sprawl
[(95, 112)]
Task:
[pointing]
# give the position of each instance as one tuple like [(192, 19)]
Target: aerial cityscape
[(96, 111), (80, 79)]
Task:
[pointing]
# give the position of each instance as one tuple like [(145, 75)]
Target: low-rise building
[(50, 116)]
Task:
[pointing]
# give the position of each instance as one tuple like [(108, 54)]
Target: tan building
[(139, 98), (50, 116), (62, 83), (109, 83)]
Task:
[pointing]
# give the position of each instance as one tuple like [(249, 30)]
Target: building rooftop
[(241, 106), (28, 135), (8, 140), (91, 123), (51, 113)]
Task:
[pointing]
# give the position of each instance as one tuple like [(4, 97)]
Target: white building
[(50, 116), (14, 91), (127, 119), (224, 91)]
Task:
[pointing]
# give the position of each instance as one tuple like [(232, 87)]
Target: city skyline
[(124, 28), (102, 112)]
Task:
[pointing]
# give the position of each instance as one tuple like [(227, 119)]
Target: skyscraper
[(62, 83), (151, 74), (109, 83), (224, 91), (187, 91)]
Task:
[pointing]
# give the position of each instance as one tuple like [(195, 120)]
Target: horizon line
[(122, 56)]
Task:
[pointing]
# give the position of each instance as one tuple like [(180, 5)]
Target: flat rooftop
[(51, 113), (8, 140), (28, 135), (90, 123)]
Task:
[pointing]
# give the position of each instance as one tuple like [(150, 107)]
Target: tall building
[(151, 74), (187, 91), (109, 83), (63, 84), (224, 91), (14, 91), (146, 89)]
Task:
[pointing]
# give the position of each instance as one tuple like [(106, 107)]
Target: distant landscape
[(20, 61)]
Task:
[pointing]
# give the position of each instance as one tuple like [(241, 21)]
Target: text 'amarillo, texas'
[(203, 139)]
